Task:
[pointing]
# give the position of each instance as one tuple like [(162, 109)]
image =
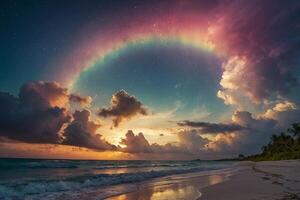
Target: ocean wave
[(11, 164), (140, 166), (19, 189)]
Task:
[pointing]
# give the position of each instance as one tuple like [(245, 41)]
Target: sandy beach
[(270, 180)]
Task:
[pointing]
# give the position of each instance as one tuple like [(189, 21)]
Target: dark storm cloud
[(207, 127), (123, 106), (39, 115), (82, 132), (31, 116), (42, 95)]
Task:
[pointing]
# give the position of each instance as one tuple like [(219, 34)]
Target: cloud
[(244, 134), (207, 127), (249, 140), (40, 115), (245, 118), (40, 94), (192, 141), (43, 95), (36, 115), (123, 107), (226, 143), (135, 143), (262, 54), (81, 132), (285, 113), (189, 142), (229, 97), (81, 100), (169, 148), (280, 108), (256, 131)]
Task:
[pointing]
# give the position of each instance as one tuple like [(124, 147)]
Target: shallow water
[(25, 178), (186, 188)]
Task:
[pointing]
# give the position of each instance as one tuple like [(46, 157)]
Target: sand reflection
[(214, 179), (174, 191), (187, 187)]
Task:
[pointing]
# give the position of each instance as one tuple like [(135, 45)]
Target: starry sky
[(133, 79)]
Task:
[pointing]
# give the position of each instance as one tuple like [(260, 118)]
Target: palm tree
[(295, 130)]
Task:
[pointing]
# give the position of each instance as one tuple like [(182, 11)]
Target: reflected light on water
[(169, 193), (214, 179), (173, 190), (178, 191)]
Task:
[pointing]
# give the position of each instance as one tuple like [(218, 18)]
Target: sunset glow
[(147, 80)]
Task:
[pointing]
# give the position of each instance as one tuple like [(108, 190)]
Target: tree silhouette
[(295, 130), (282, 146)]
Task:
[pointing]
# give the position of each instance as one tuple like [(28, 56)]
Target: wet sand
[(181, 186), (274, 180), (185, 186)]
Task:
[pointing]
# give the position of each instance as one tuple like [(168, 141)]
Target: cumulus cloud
[(49, 94), (244, 134), (245, 118), (82, 132), (226, 143), (135, 143), (189, 142), (262, 54), (36, 115), (43, 95), (249, 140), (192, 141), (279, 108), (169, 148), (207, 127), (123, 107), (40, 115), (285, 113), (82, 100)]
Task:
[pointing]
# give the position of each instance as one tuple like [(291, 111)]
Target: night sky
[(125, 79)]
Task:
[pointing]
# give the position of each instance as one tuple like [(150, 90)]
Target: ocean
[(32, 178)]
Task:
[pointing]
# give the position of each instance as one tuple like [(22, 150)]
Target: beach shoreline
[(181, 186), (268, 180), (245, 180), (94, 180), (184, 186)]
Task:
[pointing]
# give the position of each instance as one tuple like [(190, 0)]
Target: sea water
[(25, 178)]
